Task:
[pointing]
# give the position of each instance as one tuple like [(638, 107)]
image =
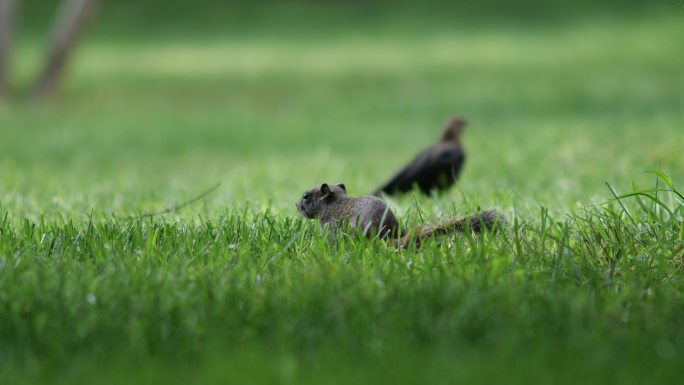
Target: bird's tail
[(387, 188), (491, 219)]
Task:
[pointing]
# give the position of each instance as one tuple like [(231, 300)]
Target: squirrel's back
[(369, 214)]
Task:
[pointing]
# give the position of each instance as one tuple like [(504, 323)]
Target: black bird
[(435, 168)]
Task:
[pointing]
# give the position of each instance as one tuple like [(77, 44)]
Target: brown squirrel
[(437, 167), (334, 208)]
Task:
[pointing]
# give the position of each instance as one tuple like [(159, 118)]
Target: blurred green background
[(163, 99)]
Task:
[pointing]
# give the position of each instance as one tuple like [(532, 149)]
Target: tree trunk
[(70, 23), (6, 24)]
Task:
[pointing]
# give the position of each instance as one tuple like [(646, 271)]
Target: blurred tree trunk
[(6, 24), (70, 23)]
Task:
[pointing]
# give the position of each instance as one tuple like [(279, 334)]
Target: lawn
[(581, 288)]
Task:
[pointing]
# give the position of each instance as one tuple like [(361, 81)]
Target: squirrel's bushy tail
[(491, 219)]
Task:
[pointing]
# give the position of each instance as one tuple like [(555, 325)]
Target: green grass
[(239, 287)]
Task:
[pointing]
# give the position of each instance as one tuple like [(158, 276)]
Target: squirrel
[(334, 208), (437, 167)]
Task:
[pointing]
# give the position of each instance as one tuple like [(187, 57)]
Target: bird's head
[(453, 129)]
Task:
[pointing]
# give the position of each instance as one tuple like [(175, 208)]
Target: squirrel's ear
[(325, 190), (342, 186)]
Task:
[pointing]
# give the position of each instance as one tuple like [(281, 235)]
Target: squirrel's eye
[(307, 195)]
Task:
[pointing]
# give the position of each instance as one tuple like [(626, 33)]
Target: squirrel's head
[(315, 199), (453, 129)]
